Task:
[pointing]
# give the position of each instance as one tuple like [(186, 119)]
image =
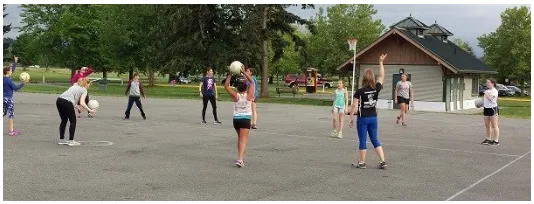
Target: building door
[(396, 79)]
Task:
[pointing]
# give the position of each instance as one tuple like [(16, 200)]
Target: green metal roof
[(410, 22), (439, 30), (450, 53)]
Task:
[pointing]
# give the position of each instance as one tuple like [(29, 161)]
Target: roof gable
[(436, 29), (410, 22)]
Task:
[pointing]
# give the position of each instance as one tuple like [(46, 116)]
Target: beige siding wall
[(426, 80), (468, 80)]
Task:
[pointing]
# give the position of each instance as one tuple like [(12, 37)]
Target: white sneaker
[(340, 135), (73, 143), (63, 142), (334, 133)]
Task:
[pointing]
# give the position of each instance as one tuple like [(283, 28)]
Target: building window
[(420, 33), (474, 86)]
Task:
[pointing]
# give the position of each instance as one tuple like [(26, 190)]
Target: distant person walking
[(403, 97)]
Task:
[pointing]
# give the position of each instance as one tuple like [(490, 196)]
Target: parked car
[(481, 89), (518, 91), (504, 91), (183, 80), (292, 80)]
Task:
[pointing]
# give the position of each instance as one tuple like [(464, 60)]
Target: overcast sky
[(466, 21)]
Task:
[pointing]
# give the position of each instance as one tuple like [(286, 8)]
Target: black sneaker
[(359, 165), (494, 143), (204, 122), (486, 142), (144, 117), (253, 126), (383, 165)]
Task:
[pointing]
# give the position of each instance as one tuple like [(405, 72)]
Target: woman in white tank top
[(242, 112)]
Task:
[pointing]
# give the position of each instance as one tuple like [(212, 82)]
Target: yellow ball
[(24, 76)]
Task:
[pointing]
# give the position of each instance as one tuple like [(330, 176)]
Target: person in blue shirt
[(9, 88), (251, 72)]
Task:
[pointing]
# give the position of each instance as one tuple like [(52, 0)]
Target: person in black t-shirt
[(366, 98)]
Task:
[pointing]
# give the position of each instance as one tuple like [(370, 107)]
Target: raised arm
[(381, 68), (228, 89), (251, 86)]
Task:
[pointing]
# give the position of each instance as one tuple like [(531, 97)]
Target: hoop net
[(352, 43)]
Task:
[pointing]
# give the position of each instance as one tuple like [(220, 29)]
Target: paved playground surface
[(171, 156)]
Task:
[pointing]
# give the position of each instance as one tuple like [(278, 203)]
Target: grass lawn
[(180, 91), (514, 108)]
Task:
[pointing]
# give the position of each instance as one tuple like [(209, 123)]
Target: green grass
[(182, 92)]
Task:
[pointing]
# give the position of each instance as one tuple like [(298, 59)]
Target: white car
[(35, 66)]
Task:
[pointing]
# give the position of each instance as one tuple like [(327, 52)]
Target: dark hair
[(6, 70), (136, 74), (492, 81), (251, 69), (241, 84), (208, 68)]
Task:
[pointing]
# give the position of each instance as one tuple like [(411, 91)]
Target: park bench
[(293, 90)]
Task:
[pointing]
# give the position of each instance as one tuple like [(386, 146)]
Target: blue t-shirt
[(256, 92), (10, 87), (208, 86)]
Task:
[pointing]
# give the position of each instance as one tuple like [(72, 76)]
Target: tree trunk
[(130, 74), (265, 56), (150, 76), (104, 74)]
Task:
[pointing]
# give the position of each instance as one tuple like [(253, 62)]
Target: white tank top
[(243, 107)]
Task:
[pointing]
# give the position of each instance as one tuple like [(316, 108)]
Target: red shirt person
[(84, 72)]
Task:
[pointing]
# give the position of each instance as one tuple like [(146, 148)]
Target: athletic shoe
[(340, 135), (239, 163), (217, 122), (383, 165), (90, 116), (494, 143), (486, 142), (73, 143), (334, 133), (359, 165), (13, 133), (63, 142), (204, 122), (253, 126), (17, 131), (144, 117)]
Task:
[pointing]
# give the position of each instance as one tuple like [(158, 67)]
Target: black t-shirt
[(368, 98)]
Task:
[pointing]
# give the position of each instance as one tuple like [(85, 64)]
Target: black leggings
[(66, 113), (205, 105)]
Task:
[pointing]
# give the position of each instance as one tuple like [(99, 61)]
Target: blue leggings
[(367, 125)]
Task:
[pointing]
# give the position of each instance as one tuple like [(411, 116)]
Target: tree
[(508, 48), (69, 33), (328, 47), (7, 28), (464, 45)]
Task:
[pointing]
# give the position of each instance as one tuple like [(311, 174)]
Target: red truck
[(292, 80)]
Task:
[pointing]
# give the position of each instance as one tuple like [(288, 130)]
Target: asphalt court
[(171, 156)]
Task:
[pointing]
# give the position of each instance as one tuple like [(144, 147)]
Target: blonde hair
[(368, 79), (84, 82)]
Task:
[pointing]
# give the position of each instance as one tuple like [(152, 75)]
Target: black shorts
[(241, 123), (491, 111), (401, 99)]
